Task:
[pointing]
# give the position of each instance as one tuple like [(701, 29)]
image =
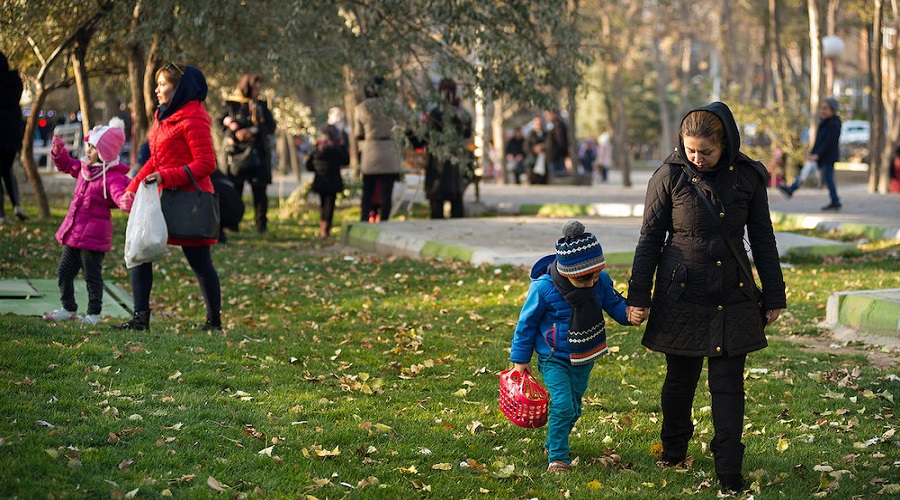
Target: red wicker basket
[(522, 399)]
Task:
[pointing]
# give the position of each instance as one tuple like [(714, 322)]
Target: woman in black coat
[(702, 304), (326, 160), (246, 122), (11, 129)]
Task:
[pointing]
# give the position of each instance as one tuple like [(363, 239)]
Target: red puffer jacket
[(181, 139)]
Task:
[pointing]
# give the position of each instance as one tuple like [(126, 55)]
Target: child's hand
[(520, 368), (58, 147)]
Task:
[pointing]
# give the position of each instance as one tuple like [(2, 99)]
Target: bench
[(71, 134)]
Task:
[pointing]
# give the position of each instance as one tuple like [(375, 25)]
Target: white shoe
[(91, 319), (60, 315)]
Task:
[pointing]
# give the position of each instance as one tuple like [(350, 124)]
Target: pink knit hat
[(108, 139)]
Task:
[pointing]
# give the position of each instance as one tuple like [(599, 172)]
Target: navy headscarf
[(191, 87)]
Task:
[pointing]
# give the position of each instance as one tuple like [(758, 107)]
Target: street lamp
[(832, 48)]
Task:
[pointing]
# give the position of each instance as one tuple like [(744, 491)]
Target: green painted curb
[(869, 313), (799, 221), (445, 251), (823, 250), (362, 236)]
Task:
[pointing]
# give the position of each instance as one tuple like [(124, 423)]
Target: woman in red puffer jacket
[(179, 137)]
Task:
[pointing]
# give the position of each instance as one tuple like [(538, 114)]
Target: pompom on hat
[(578, 253), (108, 139)]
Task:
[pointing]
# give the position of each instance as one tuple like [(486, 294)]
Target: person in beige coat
[(380, 160)]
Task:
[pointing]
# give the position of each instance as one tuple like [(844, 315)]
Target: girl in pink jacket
[(86, 232)]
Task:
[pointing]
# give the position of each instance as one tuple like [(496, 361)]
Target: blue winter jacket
[(545, 308)]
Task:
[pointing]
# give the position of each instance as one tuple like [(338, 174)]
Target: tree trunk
[(876, 75), (31, 171), (82, 85), (149, 84), (499, 136), (140, 122), (890, 73), (665, 112), (618, 119), (815, 64), (776, 53), (349, 119)]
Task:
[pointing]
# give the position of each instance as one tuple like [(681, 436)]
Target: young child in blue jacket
[(562, 320)]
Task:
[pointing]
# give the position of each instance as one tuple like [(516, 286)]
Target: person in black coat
[(11, 130), (825, 151), (449, 128), (328, 156), (246, 122), (515, 154), (702, 304)]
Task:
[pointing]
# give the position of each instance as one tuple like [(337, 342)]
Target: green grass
[(346, 375)]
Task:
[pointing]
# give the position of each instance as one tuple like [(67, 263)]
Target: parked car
[(855, 132)]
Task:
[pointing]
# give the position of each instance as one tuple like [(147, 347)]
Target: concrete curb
[(872, 316)]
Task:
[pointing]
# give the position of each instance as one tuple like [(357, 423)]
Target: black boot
[(212, 324), (140, 321), (731, 482)]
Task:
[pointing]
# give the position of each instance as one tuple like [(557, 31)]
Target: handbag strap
[(186, 169), (718, 221)]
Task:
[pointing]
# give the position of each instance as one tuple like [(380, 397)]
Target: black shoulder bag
[(757, 293), (191, 214)]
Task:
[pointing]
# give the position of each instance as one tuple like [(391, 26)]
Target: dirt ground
[(885, 357)]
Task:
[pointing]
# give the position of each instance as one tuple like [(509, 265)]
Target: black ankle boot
[(140, 321), (731, 482), (212, 324)]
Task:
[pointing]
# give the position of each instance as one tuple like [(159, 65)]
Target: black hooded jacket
[(701, 304), (11, 124)]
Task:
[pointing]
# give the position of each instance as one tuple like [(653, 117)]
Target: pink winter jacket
[(88, 225)]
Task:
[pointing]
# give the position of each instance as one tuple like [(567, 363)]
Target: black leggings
[(73, 260), (7, 157), (200, 260), (260, 201), (327, 201)]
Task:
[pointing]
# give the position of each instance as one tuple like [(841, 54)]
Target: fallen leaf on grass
[(594, 485), (782, 444), (442, 466), (214, 484), (411, 470)]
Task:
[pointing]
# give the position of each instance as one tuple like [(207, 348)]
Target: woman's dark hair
[(703, 124), (247, 82)]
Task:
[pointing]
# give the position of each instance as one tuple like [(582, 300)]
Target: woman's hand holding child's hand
[(636, 315)]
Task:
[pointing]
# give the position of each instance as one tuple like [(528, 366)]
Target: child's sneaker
[(60, 315), (91, 319), (557, 466)]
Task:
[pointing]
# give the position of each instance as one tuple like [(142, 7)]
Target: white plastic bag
[(145, 234), (809, 175), (540, 165)]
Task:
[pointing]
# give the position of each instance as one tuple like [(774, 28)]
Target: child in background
[(328, 156), (562, 320), (86, 232)]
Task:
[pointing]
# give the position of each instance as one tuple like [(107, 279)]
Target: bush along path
[(345, 375)]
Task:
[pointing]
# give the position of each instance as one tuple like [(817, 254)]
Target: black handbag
[(191, 214), (745, 269), (241, 160)]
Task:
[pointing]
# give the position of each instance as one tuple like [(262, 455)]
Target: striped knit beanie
[(578, 253)]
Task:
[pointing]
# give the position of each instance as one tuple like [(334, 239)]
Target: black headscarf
[(731, 148), (192, 87)]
